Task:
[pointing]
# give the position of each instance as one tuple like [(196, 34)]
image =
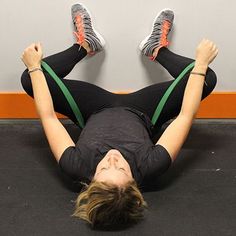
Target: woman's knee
[(26, 83)]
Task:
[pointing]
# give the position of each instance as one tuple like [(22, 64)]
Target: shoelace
[(80, 29), (165, 28), (83, 26)]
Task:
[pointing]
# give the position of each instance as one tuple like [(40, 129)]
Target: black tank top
[(122, 128)]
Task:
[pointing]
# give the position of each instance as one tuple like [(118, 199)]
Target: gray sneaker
[(158, 37), (84, 30)]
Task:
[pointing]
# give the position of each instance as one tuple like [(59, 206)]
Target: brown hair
[(107, 205)]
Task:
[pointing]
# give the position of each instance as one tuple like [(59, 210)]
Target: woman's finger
[(39, 47)]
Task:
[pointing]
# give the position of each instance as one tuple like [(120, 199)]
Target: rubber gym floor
[(195, 197)]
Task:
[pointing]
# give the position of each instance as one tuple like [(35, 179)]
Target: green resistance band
[(75, 108), (165, 97), (69, 98)]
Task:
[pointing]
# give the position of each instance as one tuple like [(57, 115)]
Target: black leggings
[(91, 98)]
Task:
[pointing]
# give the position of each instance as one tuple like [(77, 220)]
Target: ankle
[(155, 52), (85, 45)]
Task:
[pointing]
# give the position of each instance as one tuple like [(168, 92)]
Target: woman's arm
[(57, 136), (176, 133), (32, 57), (205, 54), (42, 96)]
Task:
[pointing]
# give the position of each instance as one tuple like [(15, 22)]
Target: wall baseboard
[(219, 105)]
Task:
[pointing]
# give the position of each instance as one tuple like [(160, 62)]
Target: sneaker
[(84, 30), (158, 37)]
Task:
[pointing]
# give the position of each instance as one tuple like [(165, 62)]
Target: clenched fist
[(206, 52), (32, 56)]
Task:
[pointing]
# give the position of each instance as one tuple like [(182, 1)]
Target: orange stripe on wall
[(218, 105), (20, 105)]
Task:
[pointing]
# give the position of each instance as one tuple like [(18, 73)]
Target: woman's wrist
[(200, 68), (34, 66)]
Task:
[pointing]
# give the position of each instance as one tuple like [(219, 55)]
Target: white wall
[(123, 24)]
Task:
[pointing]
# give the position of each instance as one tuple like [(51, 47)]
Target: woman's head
[(112, 198), (106, 205), (113, 169)]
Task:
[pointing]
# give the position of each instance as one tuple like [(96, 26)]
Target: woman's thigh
[(91, 98), (148, 98), (88, 97)]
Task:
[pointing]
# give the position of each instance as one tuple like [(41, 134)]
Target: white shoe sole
[(146, 39)]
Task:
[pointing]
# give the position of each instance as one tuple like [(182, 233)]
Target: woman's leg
[(175, 64), (148, 98), (88, 97)]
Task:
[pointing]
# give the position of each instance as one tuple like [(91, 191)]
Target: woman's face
[(113, 168)]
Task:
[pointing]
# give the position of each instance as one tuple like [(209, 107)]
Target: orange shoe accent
[(165, 29), (91, 53), (152, 58), (80, 30), (163, 40)]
